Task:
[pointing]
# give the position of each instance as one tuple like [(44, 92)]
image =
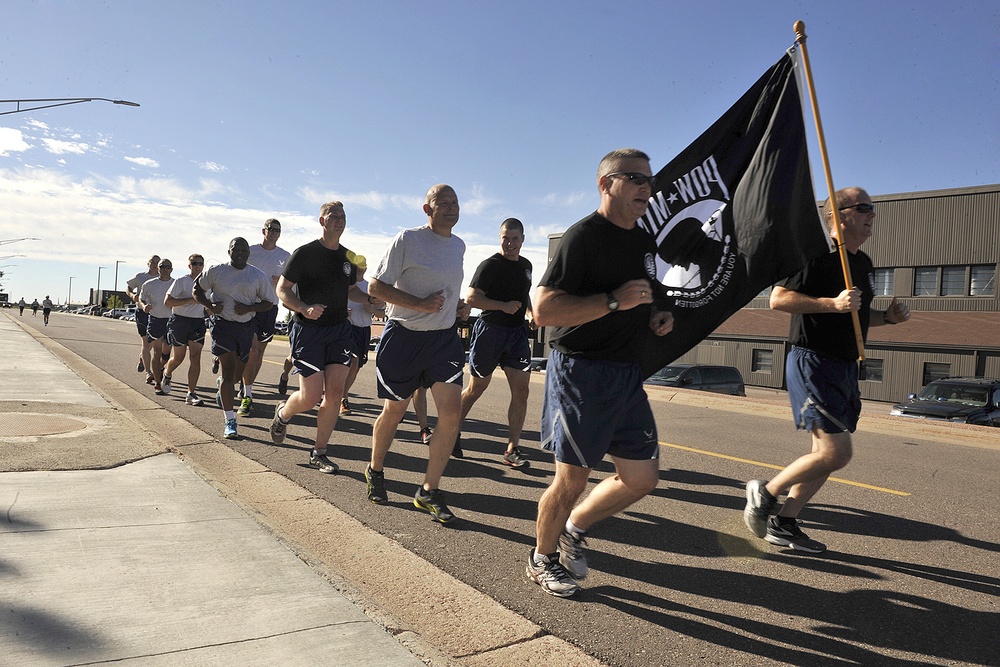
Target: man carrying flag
[(821, 370)]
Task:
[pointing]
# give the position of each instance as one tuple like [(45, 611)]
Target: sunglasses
[(864, 209), (635, 178)]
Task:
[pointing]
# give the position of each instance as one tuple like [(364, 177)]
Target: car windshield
[(669, 373), (955, 393)]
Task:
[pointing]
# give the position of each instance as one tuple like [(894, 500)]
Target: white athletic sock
[(230, 414), (248, 391), (573, 530)]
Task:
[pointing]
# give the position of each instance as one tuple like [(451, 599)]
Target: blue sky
[(253, 110)]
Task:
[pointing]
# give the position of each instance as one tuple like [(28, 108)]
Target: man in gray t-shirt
[(419, 278)]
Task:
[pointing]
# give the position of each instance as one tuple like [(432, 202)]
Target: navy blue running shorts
[(228, 336), (823, 391), (362, 339), (156, 328), (406, 360), (592, 408), (141, 321), (182, 330), (263, 324), (314, 347), (495, 345)]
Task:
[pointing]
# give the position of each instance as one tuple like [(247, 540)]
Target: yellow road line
[(771, 465)]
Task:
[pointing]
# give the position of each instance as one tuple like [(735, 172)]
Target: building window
[(935, 371), (884, 282), (871, 370), (762, 361), (953, 281), (925, 281), (984, 281)]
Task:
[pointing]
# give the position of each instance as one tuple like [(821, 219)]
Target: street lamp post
[(117, 262), (59, 102), (69, 296), (97, 299)]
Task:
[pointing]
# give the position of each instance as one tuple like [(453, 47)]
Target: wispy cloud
[(377, 201), (59, 147), (12, 141), (566, 200), (143, 161), (214, 167)]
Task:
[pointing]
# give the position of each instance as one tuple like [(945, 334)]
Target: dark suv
[(960, 399), (719, 379)]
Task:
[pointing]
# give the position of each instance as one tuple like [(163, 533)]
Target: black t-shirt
[(323, 276), (595, 256), (502, 279), (832, 333)]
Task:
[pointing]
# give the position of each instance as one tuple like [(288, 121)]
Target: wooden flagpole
[(800, 39)]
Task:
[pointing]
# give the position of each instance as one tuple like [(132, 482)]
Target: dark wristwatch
[(612, 302)]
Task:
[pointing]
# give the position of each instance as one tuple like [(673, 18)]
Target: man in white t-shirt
[(420, 277), (141, 318), (185, 329), (270, 259), (360, 317), (151, 301), (233, 293)]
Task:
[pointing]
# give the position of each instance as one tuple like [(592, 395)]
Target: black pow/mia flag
[(734, 213)]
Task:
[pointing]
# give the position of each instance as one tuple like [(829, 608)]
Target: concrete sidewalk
[(128, 535), (112, 549)]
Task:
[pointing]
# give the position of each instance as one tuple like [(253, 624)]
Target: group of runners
[(599, 295)]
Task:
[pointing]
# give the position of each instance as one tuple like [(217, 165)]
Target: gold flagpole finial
[(800, 32)]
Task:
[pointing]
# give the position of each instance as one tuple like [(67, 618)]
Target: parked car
[(717, 379), (538, 363), (969, 400)]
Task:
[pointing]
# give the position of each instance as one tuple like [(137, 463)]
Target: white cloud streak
[(143, 161), (12, 141), (59, 147)]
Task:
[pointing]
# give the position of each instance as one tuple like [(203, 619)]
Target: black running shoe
[(785, 532), (456, 451), (551, 576), (140, 367), (215, 365), (376, 486), (425, 436), (283, 385), (433, 502)]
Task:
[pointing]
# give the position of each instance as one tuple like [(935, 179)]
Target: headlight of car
[(896, 411)]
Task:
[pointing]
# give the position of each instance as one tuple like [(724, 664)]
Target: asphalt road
[(911, 576)]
